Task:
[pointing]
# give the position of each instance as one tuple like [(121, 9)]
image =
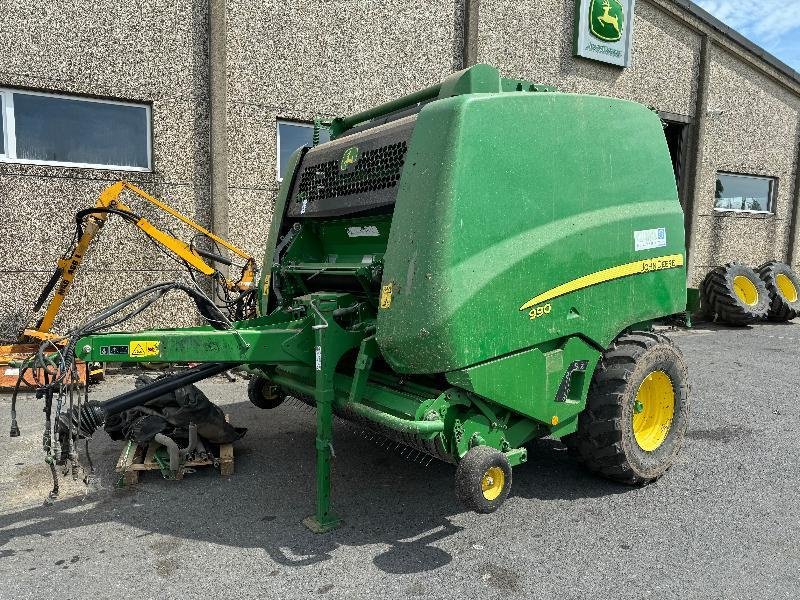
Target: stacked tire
[(783, 286), (735, 294)]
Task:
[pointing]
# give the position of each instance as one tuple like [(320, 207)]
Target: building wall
[(533, 40), (153, 52), (751, 127)]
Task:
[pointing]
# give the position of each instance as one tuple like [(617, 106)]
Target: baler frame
[(286, 339)]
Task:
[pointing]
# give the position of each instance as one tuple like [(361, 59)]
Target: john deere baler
[(467, 269)]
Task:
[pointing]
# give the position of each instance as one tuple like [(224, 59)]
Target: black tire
[(479, 465), (735, 295), (783, 287), (264, 394), (606, 441)]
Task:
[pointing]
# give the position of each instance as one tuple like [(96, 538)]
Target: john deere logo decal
[(349, 157), (604, 30), (606, 20)]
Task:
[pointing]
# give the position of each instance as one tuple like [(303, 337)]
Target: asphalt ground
[(723, 523)]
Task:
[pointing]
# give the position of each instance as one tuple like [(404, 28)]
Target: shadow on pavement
[(383, 498)]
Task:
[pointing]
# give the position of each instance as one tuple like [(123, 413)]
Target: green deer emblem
[(606, 20)]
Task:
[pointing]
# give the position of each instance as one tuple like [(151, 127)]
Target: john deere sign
[(603, 30)]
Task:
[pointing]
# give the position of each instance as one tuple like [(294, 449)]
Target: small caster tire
[(483, 479), (263, 394)]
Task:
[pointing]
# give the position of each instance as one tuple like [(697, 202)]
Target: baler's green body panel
[(505, 196)]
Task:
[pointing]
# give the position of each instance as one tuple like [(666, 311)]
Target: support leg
[(323, 519)]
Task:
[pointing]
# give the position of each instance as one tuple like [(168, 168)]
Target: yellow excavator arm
[(90, 222)]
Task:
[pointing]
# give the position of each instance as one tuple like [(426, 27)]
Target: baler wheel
[(734, 294), (637, 410), (483, 479), (783, 286), (264, 394)]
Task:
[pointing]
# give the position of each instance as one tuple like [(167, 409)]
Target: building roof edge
[(737, 37)]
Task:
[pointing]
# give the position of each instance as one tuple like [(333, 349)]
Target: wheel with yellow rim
[(783, 286), (483, 479), (637, 410), (734, 294)]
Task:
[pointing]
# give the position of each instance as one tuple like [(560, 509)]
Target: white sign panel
[(604, 30)]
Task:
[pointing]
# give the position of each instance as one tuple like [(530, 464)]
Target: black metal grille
[(374, 170), (373, 159)]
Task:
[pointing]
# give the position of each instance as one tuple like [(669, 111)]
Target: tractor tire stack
[(782, 284), (735, 294)]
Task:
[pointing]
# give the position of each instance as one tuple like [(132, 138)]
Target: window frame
[(278, 122), (9, 127), (3, 122), (771, 200)]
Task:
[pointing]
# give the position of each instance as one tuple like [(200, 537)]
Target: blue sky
[(772, 24)]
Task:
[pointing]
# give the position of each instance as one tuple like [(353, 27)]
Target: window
[(744, 193), (293, 135), (52, 129), (2, 128)]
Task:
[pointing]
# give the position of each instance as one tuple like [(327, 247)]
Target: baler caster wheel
[(483, 479), (263, 393)]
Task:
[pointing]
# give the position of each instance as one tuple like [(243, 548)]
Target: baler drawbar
[(467, 269)]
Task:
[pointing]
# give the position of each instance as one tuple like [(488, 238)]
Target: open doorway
[(676, 130)]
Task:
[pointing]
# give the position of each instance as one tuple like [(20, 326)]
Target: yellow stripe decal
[(633, 268)]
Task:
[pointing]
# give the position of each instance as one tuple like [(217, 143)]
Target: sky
[(772, 24)]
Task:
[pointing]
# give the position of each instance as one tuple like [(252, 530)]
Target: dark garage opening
[(676, 134)]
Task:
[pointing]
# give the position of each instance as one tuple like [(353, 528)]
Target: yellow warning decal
[(141, 349), (386, 296), (632, 268)]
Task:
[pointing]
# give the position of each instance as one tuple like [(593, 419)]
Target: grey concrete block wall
[(338, 56), (533, 40), (150, 51), (751, 128)]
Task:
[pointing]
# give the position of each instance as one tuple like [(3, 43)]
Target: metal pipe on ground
[(139, 396), (93, 416)]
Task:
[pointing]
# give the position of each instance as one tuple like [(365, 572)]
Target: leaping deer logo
[(607, 19), (349, 157)]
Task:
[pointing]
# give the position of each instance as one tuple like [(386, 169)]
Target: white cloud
[(767, 20)]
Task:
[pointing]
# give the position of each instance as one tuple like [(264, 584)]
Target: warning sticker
[(141, 349), (386, 296), (365, 231)]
